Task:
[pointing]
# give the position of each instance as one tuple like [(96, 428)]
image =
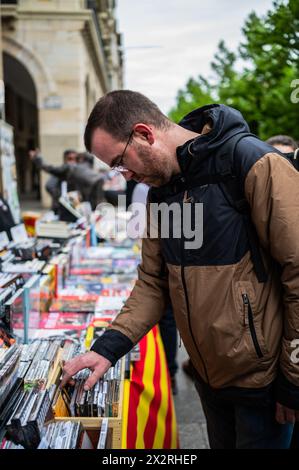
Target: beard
[(157, 167)]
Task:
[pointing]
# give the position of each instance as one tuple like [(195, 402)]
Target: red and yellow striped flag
[(149, 420)]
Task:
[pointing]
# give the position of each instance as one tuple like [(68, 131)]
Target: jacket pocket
[(249, 320)]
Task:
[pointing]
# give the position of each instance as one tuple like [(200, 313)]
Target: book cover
[(75, 304), (66, 321)]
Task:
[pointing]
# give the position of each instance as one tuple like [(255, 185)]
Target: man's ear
[(144, 133)]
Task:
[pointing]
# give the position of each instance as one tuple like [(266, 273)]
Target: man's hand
[(286, 415), (91, 360)]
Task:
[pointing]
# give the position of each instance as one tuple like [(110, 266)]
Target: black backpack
[(233, 191), (294, 158), (230, 183)]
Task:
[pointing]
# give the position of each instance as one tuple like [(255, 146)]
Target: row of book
[(101, 400), (23, 303), (31, 410), (20, 248), (71, 435), (67, 435), (31, 396), (51, 317)]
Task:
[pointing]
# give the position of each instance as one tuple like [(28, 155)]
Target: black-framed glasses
[(119, 165)]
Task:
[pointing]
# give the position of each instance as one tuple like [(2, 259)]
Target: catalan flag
[(149, 420)]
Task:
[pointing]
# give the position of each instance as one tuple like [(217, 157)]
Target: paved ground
[(190, 418)]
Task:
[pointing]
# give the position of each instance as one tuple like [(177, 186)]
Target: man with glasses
[(235, 298)]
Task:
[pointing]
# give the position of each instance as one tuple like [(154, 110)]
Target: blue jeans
[(237, 426)]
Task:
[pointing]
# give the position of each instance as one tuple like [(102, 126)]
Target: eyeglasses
[(119, 165)]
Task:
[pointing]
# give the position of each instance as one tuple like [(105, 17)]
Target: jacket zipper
[(248, 320), (186, 292)]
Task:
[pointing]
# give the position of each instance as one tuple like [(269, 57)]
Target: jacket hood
[(225, 122)]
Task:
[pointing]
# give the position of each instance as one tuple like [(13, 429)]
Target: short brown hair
[(118, 111), (282, 140)]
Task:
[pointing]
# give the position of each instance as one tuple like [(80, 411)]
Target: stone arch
[(43, 81)]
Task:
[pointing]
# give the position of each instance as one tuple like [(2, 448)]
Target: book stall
[(59, 292)]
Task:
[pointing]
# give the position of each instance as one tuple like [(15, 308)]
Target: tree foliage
[(196, 93), (262, 89)]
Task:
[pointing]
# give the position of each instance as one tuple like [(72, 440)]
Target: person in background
[(53, 184), (99, 193), (53, 188), (85, 158), (59, 173), (283, 143), (88, 181), (114, 187), (288, 146), (79, 176)]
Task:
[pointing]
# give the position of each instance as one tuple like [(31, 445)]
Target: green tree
[(262, 89), (271, 48), (195, 94)]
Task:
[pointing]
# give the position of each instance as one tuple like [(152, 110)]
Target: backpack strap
[(230, 184), (234, 193)]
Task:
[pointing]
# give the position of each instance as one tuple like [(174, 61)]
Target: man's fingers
[(98, 372), (65, 379), (70, 369), (92, 379), (90, 360), (280, 416)]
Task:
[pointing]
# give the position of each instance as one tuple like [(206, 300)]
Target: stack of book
[(101, 400), (53, 229), (24, 267), (64, 435)]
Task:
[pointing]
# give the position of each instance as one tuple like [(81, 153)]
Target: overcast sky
[(167, 41)]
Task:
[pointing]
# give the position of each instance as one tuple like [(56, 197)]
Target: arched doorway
[(21, 112)]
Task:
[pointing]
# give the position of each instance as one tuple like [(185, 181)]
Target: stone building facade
[(59, 57)]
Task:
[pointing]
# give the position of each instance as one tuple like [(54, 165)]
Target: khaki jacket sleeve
[(148, 300), (272, 190)]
